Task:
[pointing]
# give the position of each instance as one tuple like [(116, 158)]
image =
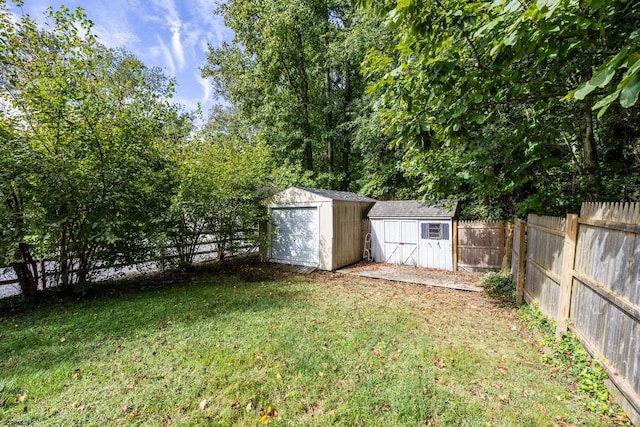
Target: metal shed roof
[(338, 195), (415, 209)]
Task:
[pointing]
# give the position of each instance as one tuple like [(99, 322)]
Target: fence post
[(455, 245), (508, 245), (566, 281), (521, 257)]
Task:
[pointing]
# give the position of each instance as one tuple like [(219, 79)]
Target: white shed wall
[(400, 241)]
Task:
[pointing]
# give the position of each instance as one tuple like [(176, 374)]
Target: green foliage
[(586, 375), (293, 73), (83, 158), (477, 97), (500, 285), (219, 174)]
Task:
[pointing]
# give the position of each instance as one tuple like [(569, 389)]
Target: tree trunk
[(328, 119), (66, 264), (328, 86), (26, 271), (304, 99), (590, 154), (346, 149)]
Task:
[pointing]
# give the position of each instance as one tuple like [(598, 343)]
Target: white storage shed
[(318, 228), (413, 232)]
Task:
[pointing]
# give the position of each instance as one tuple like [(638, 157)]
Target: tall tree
[(294, 75), (495, 102)]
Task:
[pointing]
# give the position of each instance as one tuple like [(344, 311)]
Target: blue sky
[(170, 34)]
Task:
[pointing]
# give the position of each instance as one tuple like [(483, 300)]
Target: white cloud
[(169, 15), (115, 39), (206, 87), (177, 47), (168, 57)]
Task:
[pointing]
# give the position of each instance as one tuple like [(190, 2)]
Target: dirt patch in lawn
[(464, 281)]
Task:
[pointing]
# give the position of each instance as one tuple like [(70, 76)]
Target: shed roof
[(415, 209), (338, 195)]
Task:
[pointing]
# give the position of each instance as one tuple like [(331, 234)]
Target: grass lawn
[(255, 346)]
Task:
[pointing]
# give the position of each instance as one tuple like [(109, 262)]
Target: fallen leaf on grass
[(21, 398), (267, 414), (204, 403)]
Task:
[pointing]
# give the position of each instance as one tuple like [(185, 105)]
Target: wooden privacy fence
[(584, 272), (480, 245)]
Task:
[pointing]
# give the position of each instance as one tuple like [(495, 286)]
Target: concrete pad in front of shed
[(464, 281)]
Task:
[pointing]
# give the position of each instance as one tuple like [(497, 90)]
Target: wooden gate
[(480, 245)]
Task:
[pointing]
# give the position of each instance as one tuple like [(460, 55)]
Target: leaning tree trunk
[(26, 271)]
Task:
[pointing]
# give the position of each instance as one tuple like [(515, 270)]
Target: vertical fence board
[(455, 245), (521, 257), (566, 281), (633, 281), (515, 247)]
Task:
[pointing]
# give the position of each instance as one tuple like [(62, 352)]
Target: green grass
[(323, 349)]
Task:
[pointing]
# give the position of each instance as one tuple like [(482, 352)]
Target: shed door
[(400, 242), (296, 238), (436, 249)]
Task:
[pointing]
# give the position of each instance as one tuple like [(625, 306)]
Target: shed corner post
[(566, 281), (521, 258), (455, 244)]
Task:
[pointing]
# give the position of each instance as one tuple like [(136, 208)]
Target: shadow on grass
[(55, 329)]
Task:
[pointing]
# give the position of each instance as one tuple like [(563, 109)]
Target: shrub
[(499, 285)]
